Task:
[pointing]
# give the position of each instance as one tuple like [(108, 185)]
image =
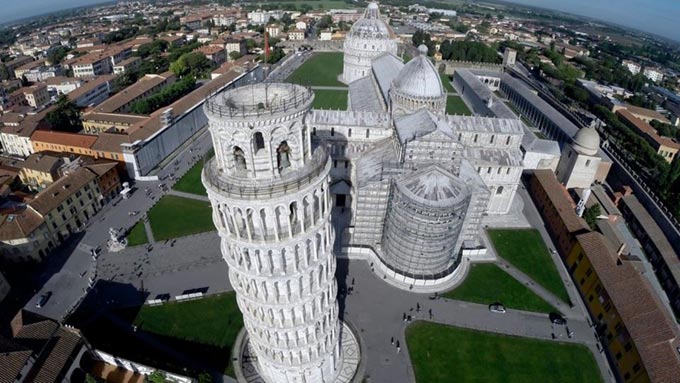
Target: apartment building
[(666, 147), (37, 95), (16, 139), (215, 53), (92, 92), (236, 45), (30, 231), (632, 66), (40, 170), (654, 74), (127, 65)]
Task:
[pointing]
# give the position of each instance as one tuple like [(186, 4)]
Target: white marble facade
[(272, 208)]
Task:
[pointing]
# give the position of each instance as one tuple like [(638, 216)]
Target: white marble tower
[(271, 205)]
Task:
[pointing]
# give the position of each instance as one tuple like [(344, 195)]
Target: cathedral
[(411, 183)]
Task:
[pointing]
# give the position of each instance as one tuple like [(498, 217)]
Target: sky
[(655, 16)]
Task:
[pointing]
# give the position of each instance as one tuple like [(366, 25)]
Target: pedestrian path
[(538, 289), (188, 195), (149, 232)]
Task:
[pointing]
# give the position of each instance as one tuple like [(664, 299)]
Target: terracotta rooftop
[(44, 162), (134, 91), (64, 138), (560, 198), (648, 130), (650, 328), (20, 224), (48, 199), (649, 113)]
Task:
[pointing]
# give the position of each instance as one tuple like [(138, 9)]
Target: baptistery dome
[(587, 141), (369, 37), (418, 86)]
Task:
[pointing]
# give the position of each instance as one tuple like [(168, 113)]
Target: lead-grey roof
[(411, 126), (533, 144), (349, 118), (386, 68), (567, 127), (364, 96), (494, 157), (485, 124), (497, 108)]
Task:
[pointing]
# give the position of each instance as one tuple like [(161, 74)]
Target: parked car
[(43, 299), (557, 318), (497, 308)]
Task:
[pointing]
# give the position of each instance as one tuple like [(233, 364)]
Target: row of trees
[(468, 51), (164, 97)]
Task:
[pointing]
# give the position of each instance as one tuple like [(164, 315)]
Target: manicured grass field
[(320, 70), (214, 320), (525, 249), (455, 105), (174, 217), (487, 283), (191, 181), (444, 354), (330, 99), (446, 81), (137, 235)]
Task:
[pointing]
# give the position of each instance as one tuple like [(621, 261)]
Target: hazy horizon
[(653, 16)]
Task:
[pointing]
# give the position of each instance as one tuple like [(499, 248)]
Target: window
[(335, 163), (618, 355), (588, 272), (628, 346), (488, 170), (368, 133), (493, 136), (349, 132), (259, 141), (636, 367), (476, 137), (608, 306), (582, 281), (590, 298), (627, 376), (587, 163), (332, 131), (314, 131), (499, 190)]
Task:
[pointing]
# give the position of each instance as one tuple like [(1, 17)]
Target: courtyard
[(322, 69), (330, 99), (442, 353), (487, 284), (175, 216), (455, 105), (525, 249)]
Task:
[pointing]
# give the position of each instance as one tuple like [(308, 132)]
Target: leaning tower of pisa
[(271, 202)]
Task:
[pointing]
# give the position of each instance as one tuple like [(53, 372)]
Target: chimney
[(167, 118)]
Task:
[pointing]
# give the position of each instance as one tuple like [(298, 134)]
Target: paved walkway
[(149, 232), (538, 289), (189, 195), (320, 87)]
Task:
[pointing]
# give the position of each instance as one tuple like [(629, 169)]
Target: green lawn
[(455, 105), (174, 217), (137, 235), (444, 354), (191, 181), (214, 320), (446, 81), (487, 283), (525, 249), (330, 99), (322, 69)]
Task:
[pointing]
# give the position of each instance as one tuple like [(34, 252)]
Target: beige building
[(666, 147), (40, 170), (29, 231), (37, 95)]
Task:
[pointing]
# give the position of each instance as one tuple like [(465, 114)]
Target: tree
[(90, 379), (56, 55), (204, 377), (155, 377), (235, 55), (4, 73), (591, 214), (65, 116)]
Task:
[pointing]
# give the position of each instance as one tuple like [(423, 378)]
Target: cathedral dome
[(587, 141), (371, 25), (419, 78)]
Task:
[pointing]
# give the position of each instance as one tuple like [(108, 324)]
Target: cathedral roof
[(419, 78), (371, 26), (433, 186)]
